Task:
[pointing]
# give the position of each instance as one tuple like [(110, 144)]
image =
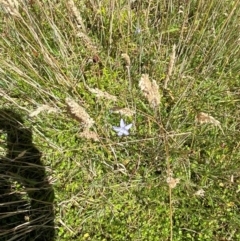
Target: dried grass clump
[(79, 113), (102, 94), (150, 90)]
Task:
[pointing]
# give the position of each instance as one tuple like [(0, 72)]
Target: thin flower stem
[(170, 189), (129, 78)]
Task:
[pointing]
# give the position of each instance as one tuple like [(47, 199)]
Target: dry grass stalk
[(79, 113), (94, 6), (123, 111), (128, 63), (11, 100), (41, 108), (2, 92), (170, 66), (11, 7), (20, 155), (90, 135), (102, 94), (150, 90), (73, 9), (126, 59)]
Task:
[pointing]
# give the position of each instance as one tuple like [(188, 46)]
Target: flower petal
[(122, 124), (117, 129), (128, 126), (125, 132), (120, 133)]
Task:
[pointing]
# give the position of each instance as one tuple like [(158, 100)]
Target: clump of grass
[(173, 178)]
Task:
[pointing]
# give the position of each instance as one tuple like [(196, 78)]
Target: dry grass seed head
[(102, 94), (79, 113), (11, 7), (73, 9), (87, 42), (172, 182), (150, 90), (90, 135), (126, 59), (41, 108), (123, 111), (200, 193), (170, 66), (203, 118)]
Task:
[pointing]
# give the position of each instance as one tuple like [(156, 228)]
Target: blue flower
[(123, 129)]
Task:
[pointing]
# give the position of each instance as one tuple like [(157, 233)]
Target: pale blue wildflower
[(138, 30), (123, 129)]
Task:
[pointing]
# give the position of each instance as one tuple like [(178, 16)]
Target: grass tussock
[(171, 68)]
